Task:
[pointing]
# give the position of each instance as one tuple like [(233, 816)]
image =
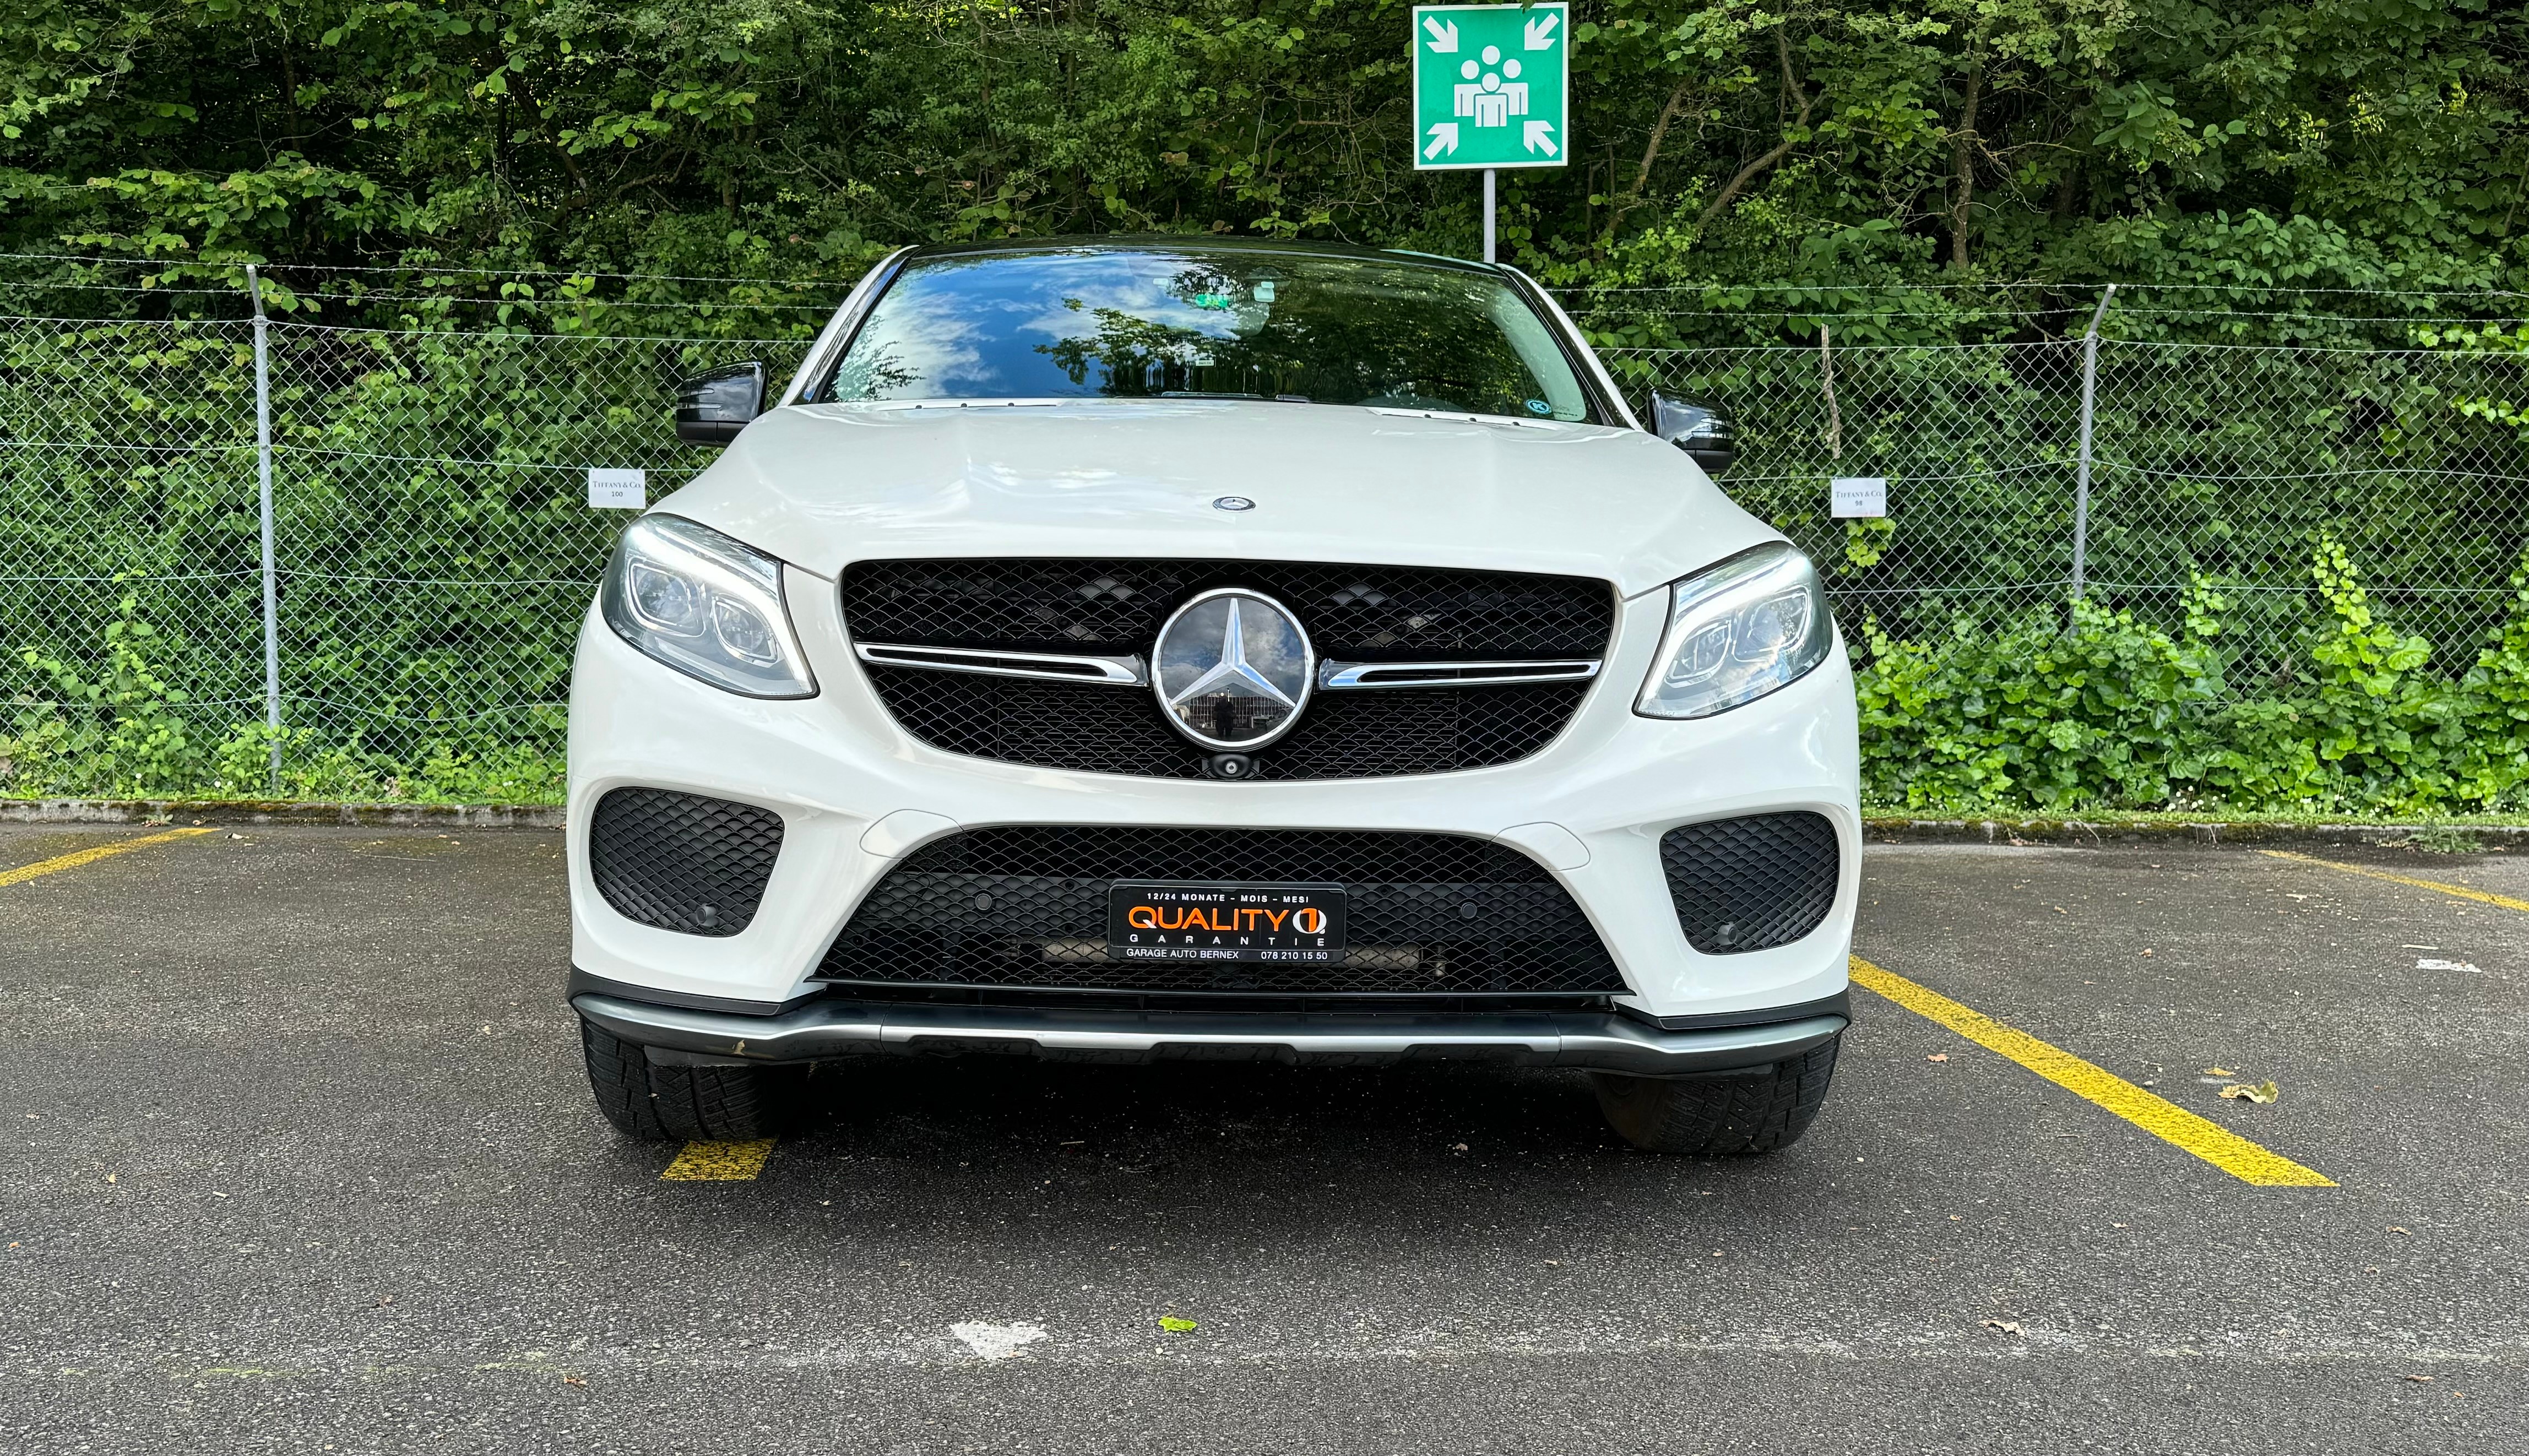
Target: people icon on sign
[(1492, 91)]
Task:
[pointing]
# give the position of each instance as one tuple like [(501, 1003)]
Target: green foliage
[(118, 729), (2110, 713), (120, 725), (1860, 144)]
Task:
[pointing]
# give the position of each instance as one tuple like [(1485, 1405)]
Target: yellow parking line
[(718, 1162), (58, 863), (2172, 1124), (2482, 897)]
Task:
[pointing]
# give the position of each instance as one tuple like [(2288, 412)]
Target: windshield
[(1191, 323)]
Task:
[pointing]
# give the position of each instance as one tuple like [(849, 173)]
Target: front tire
[(684, 1104), (1720, 1117)]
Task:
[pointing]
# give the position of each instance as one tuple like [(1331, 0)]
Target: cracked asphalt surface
[(297, 1157)]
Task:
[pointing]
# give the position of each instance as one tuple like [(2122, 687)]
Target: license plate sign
[(1172, 921)]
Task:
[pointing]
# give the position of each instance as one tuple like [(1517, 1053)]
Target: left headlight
[(1737, 631), (705, 605)]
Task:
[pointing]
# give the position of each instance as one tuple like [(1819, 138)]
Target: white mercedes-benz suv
[(1145, 650)]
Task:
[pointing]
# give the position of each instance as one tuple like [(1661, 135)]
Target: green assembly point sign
[(1490, 85)]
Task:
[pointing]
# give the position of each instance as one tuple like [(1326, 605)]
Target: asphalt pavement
[(295, 1155)]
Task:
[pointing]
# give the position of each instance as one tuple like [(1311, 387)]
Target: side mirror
[(712, 407), (1700, 433)]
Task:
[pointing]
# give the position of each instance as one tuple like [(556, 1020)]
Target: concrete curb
[(2209, 833), (279, 811)]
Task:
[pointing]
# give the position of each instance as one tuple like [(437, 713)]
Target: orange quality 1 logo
[(1195, 916)]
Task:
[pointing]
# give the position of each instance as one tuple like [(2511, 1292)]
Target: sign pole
[(1488, 214), (1492, 89)]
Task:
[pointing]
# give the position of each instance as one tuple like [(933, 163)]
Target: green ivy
[(2105, 712)]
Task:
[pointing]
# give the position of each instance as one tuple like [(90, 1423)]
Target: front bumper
[(857, 795), (1589, 1041)]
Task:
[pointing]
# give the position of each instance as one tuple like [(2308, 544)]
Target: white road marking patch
[(995, 1341), (2433, 963)]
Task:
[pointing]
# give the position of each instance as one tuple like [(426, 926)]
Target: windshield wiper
[(1204, 394)]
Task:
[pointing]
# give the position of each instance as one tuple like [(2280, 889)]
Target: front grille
[(683, 861), (1025, 906), (1751, 882), (1352, 614), (1093, 729)]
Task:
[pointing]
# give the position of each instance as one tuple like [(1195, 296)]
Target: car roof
[(1193, 242)]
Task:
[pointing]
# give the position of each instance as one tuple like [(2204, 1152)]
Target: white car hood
[(823, 485)]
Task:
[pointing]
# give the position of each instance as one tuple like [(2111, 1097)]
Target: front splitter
[(1590, 1041)]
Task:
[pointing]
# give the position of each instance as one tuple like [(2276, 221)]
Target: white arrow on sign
[(1538, 136), (1444, 35), (1444, 138), (1540, 32)]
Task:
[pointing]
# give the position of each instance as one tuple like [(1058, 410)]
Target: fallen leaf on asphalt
[(1938, 1057), (573, 1381), (2394, 1228), (2420, 1379), (2260, 1095), (2007, 1327), (109, 1178), (2220, 1072), (1456, 1147), (1176, 1325)]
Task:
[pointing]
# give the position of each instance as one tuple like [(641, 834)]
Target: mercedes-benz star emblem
[(1234, 668)]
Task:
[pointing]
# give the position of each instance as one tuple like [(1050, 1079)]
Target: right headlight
[(1737, 631), (707, 606)]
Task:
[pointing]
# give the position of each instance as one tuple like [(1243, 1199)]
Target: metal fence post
[(263, 476), (1826, 371), (2082, 488)]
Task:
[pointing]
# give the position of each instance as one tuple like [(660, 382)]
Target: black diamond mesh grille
[(1096, 729), (683, 861), (1352, 614), (1025, 907), (1752, 882)]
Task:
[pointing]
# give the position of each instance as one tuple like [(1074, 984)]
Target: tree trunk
[(1790, 84), (1963, 139), (1633, 196)]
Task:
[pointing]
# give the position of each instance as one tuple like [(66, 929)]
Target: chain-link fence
[(434, 548), (2216, 469)]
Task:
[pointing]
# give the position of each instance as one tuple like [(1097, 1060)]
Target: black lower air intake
[(683, 861), (1751, 882)]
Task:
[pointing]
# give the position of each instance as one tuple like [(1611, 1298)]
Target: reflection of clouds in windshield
[(1138, 286), (932, 338)]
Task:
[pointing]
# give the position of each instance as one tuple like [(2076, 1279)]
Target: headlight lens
[(1736, 633), (705, 605)]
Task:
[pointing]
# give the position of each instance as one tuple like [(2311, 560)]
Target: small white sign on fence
[(617, 490), (1861, 495)]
